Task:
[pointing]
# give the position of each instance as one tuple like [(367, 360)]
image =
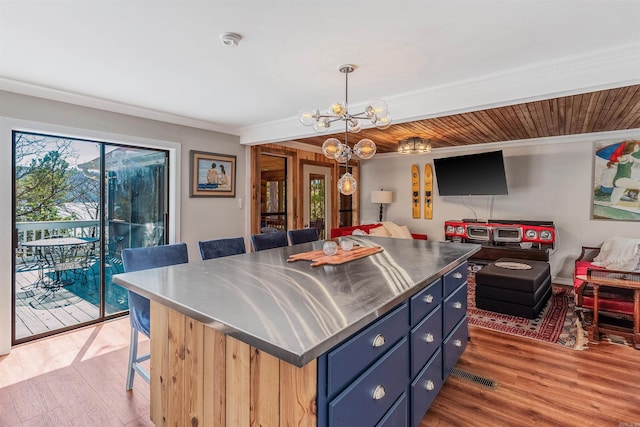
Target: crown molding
[(605, 69), (52, 94)]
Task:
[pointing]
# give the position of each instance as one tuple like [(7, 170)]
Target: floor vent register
[(468, 376)]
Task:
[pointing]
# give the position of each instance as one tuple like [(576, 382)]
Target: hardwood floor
[(74, 379), (540, 384), (77, 379)]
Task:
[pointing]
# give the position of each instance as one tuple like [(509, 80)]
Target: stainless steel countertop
[(292, 310)]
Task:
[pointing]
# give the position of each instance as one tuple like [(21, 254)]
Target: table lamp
[(382, 197)]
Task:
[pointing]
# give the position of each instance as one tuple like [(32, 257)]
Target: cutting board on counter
[(318, 257)]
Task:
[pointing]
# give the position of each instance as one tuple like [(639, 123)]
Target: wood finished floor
[(540, 384), (77, 379), (73, 379)]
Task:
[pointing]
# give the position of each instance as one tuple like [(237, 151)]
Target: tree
[(45, 181)]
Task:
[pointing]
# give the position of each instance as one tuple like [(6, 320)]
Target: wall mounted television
[(479, 174)]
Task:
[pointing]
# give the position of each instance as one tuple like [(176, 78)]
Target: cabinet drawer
[(367, 399), (454, 345), (425, 388), (455, 307), (425, 301), (355, 355), (397, 415), (455, 278), (426, 338)]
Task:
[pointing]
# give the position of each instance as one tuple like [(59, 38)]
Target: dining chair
[(218, 248), (263, 241), (303, 235), (136, 259)]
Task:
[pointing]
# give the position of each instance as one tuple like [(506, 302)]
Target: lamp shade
[(382, 197)]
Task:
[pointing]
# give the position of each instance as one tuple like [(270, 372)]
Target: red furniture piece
[(348, 231), (617, 303)]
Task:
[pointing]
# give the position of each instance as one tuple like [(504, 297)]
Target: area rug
[(557, 322)]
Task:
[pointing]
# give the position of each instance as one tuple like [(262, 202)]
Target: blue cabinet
[(389, 373)]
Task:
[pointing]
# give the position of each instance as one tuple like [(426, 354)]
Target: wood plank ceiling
[(601, 111)]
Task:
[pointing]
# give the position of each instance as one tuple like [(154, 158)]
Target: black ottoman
[(513, 291)]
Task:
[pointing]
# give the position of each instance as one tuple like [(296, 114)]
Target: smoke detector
[(230, 39)]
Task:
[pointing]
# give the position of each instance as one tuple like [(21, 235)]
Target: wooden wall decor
[(428, 191), (415, 191)]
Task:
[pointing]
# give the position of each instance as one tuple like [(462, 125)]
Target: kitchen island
[(255, 339)]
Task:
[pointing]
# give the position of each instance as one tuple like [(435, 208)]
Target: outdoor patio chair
[(303, 235), (135, 259), (263, 241), (218, 248)]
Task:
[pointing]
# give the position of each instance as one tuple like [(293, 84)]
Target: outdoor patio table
[(55, 252)]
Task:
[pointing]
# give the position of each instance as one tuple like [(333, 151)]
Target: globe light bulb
[(382, 122), (365, 149), (308, 117), (332, 147), (321, 125), (337, 109), (354, 126), (347, 184), (377, 108)]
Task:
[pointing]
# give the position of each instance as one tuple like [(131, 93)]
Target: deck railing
[(29, 231)]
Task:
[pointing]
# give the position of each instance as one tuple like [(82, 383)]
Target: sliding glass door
[(77, 204)]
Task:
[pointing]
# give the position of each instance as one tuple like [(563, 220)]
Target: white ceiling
[(164, 59)]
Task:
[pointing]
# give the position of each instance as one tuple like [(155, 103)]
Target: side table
[(594, 332)]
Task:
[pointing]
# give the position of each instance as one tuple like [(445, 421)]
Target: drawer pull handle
[(457, 275), (428, 337), (457, 305), (378, 392), (428, 299), (378, 341), (429, 385), (457, 343)]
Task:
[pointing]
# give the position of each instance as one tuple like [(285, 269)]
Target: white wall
[(548, 179), (198, 218)]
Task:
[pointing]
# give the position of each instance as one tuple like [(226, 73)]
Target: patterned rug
[(557, 322)]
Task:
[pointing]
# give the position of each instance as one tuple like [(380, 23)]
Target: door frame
[(327, 171), (7, 126)]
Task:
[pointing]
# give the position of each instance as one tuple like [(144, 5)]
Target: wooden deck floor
[(39, 309)]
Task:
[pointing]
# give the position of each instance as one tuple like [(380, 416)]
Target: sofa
[(383, 229), (616, 257)]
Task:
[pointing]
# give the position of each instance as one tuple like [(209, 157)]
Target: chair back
[(136, 259), (263, 241), (218, 248), (303, 235)]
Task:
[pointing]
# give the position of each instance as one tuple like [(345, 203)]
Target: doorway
[(273, 193), (77, 204), (317, 198)]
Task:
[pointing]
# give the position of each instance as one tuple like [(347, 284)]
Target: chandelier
[(333, 148), (414, 145)]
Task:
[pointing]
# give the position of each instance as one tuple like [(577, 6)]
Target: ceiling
[(456, 71), (601, 111)]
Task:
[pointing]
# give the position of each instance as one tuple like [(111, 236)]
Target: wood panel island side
[(253, 340)]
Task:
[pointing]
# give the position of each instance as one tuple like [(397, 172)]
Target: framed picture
[(212, 175), (616, 180)]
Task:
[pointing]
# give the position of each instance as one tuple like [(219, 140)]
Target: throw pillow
[(619, 253), (379, 231), (397, 231), (406, 234)]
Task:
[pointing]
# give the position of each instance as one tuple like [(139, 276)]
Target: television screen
[(471, 175)]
